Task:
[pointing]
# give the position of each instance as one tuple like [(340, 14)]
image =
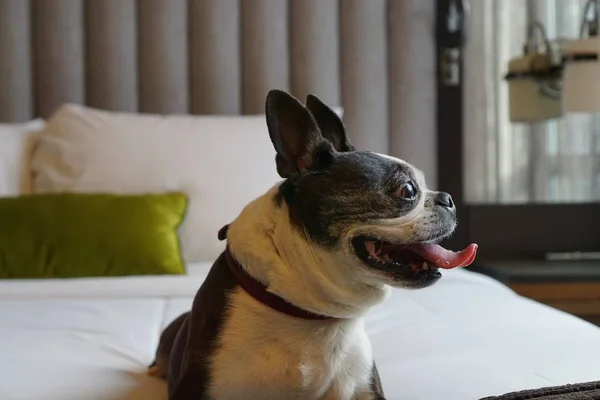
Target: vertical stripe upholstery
[(215, 57), (16, 97), (314, 49), (375, 58), (163, 56), (111, 47), (265, 51), (59, 53), (364, 73)]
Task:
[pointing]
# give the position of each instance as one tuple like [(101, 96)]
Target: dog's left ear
[(294, 133), (330, 124)]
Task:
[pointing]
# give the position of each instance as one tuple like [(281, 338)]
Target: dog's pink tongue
[(443, 258)]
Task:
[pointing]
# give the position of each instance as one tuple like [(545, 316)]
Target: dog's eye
[(407, 191)]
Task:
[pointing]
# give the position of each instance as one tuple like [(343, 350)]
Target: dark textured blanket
[(578, 391)]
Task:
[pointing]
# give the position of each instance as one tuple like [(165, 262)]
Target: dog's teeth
[(425, 266)]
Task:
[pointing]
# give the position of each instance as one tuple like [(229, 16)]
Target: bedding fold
[(577, 391)]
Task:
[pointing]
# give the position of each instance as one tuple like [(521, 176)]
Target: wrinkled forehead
[(414, 171)]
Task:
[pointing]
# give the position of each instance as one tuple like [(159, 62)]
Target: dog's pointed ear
[(330, 124), (293, 131)]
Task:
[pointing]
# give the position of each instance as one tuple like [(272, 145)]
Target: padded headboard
[(375, 58)]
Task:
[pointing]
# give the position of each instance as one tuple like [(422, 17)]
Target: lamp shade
[(527, 101), (581, 76)]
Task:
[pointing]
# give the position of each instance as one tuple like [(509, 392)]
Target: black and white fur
[(299, 240)]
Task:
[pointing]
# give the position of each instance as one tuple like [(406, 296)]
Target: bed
[(465, 338), (121, 97)]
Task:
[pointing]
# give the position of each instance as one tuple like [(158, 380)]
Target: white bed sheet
[(464, 338)]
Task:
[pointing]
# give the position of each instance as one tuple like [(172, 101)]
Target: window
[(522, 190)]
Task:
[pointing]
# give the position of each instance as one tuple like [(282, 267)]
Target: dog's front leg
[(376, 387), (188, 388), (370, 396), (375, 391)]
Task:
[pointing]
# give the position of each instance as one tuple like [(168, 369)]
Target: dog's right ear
[(293, 131), (330, 124)]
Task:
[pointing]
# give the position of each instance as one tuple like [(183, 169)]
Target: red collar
[(259, 291)]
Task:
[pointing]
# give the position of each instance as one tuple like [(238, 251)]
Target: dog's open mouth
[(413, 261)]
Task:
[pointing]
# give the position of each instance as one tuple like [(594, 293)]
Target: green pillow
[(72, 235)]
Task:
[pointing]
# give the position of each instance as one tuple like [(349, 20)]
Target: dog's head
[(373, 212)]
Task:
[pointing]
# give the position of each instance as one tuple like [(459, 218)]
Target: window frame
[(529, 230)]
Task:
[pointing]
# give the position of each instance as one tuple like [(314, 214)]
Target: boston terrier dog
[(280, 315)]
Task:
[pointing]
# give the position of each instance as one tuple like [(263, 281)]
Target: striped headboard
[(375, 58)]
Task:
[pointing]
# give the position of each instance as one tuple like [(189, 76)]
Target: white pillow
[(16, 144), (221, 162), (3, 180)]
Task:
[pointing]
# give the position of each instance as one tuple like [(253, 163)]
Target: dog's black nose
[(444, 199)]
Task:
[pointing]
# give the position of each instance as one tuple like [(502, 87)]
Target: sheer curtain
[(551, 162)]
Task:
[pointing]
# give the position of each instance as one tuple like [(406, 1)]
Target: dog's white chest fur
[(266, 355)]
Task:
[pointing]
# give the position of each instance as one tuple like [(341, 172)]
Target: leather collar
[(260, 292)]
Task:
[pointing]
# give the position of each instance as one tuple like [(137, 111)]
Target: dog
[(280, 314)]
